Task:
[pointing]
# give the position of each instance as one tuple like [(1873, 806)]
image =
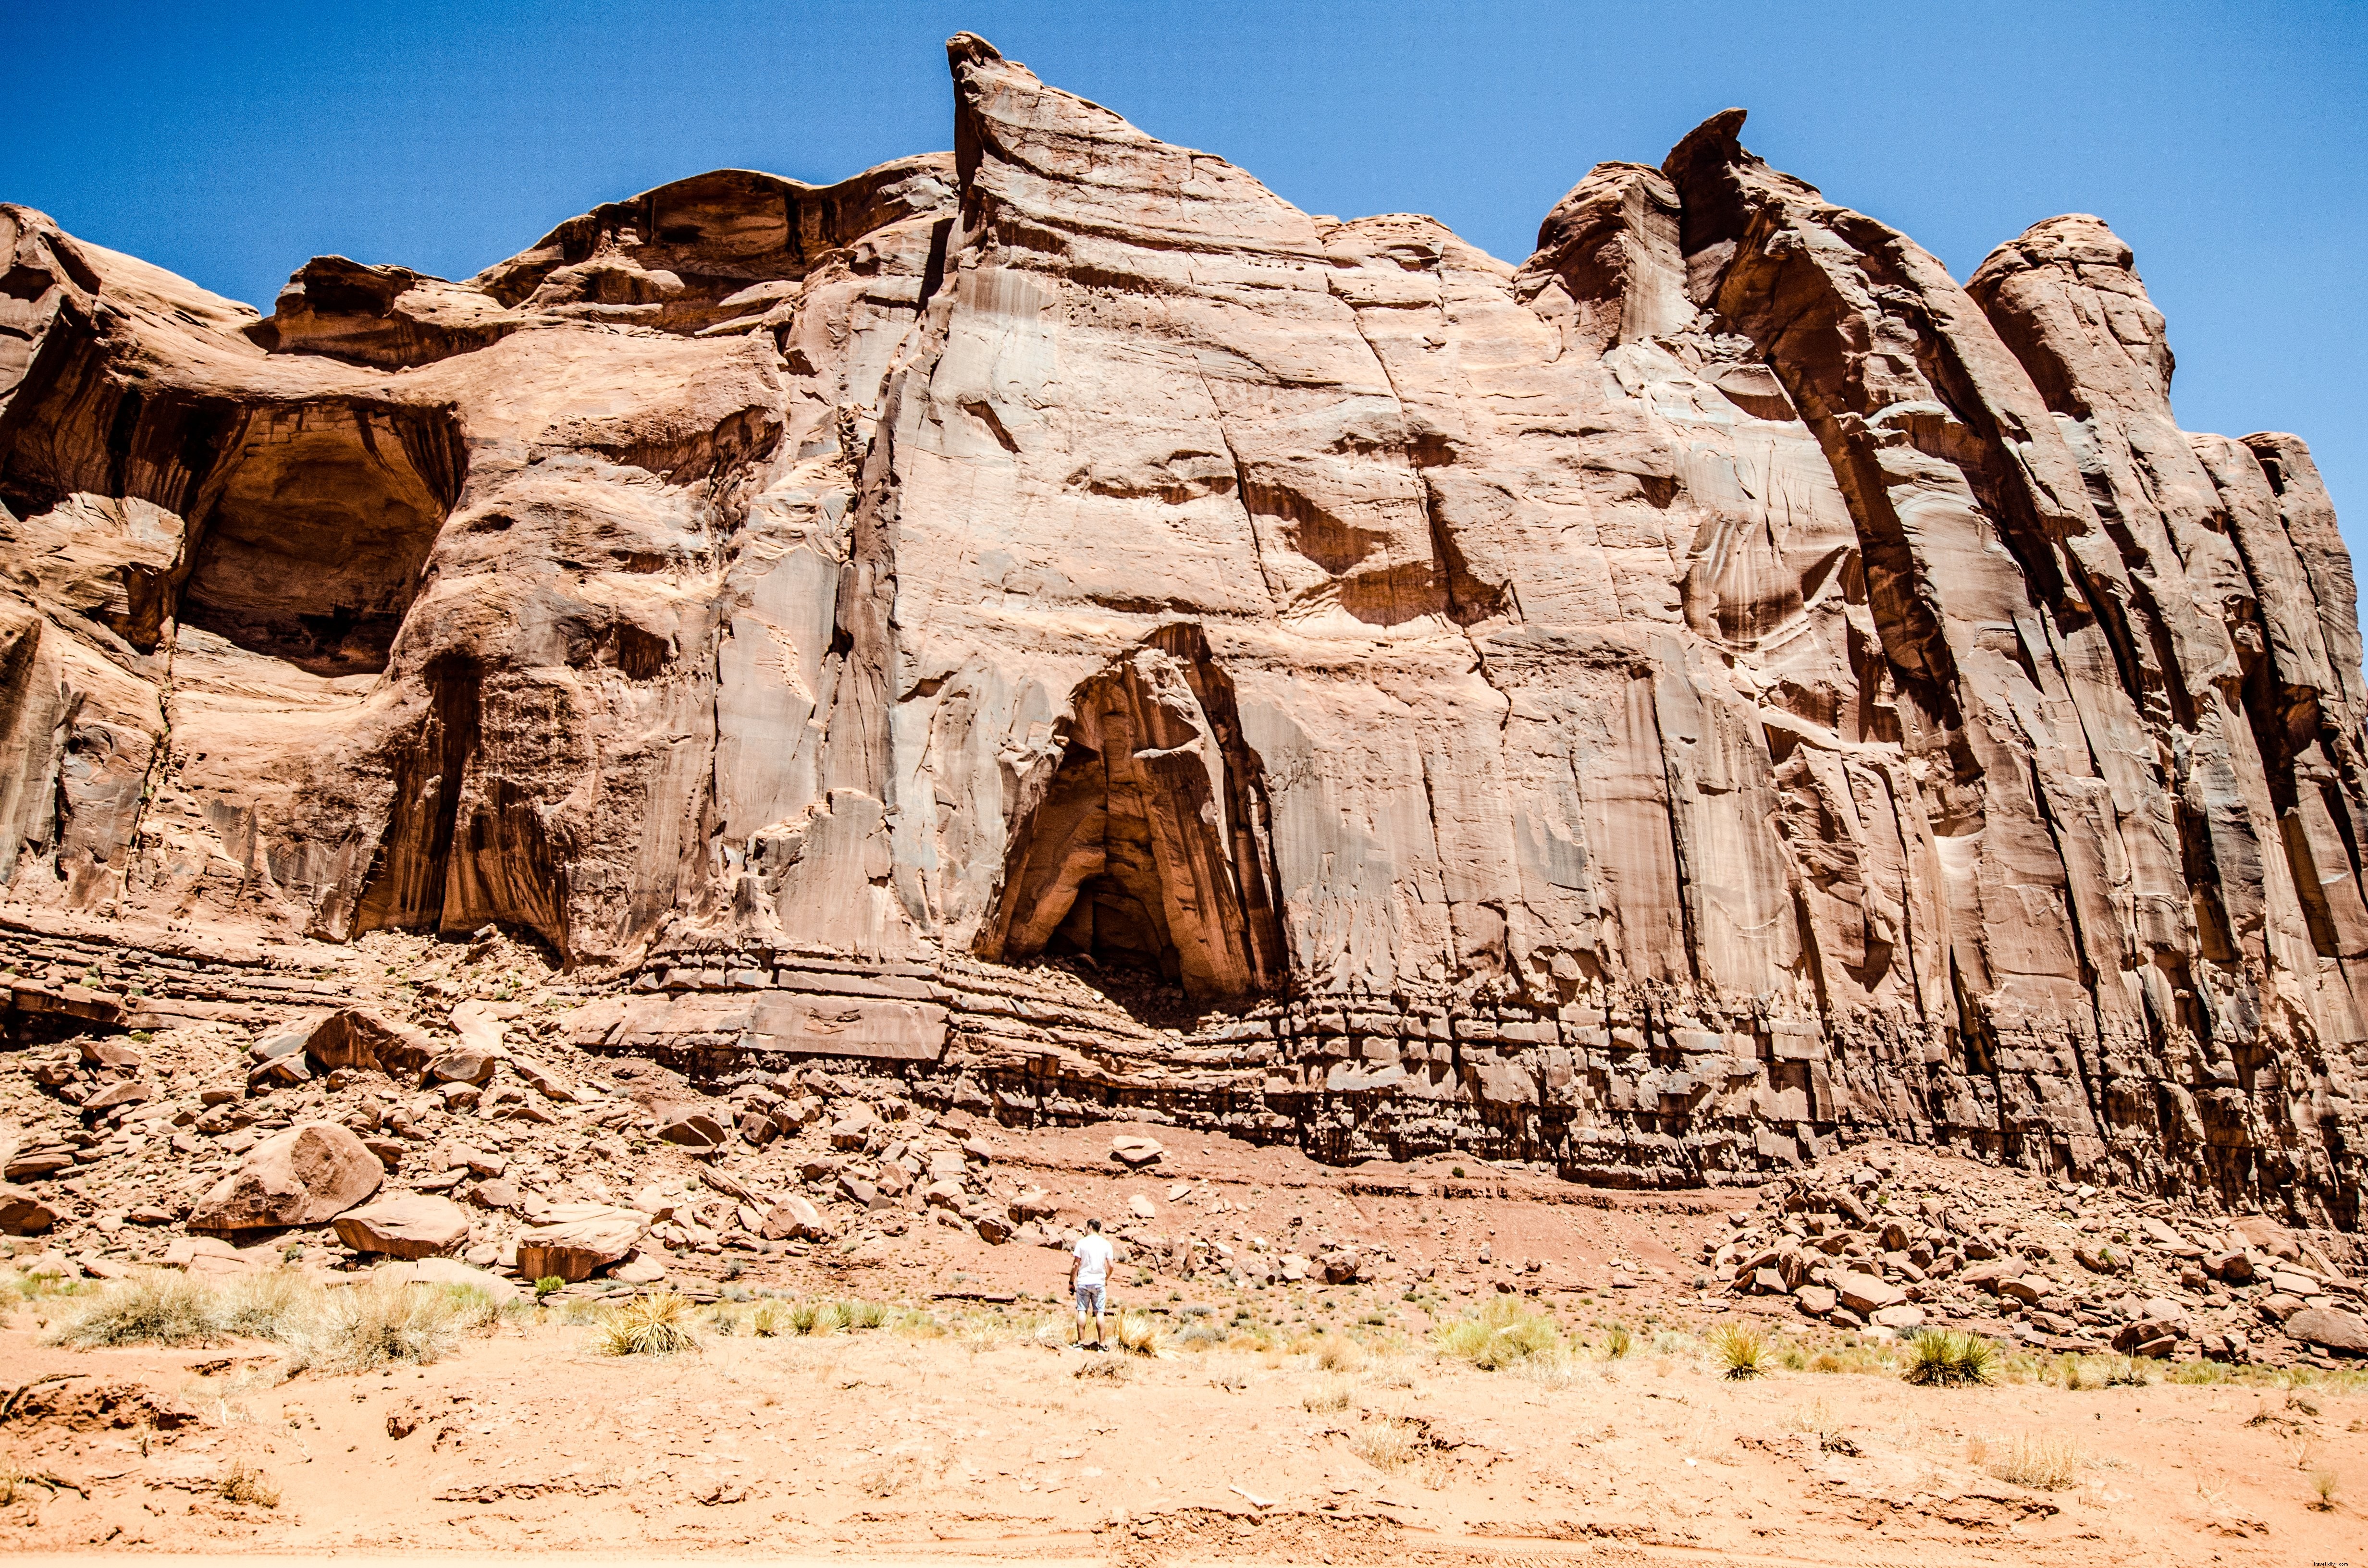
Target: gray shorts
[(1089, 1298)]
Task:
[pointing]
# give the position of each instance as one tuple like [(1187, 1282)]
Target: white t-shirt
[(1093, 1254)]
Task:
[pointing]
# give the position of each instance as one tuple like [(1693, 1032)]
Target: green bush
[(1940, 1358)]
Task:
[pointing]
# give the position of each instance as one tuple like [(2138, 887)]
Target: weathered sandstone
[(1057, 623)]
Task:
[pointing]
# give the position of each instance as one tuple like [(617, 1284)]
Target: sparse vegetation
[(1942, 1359), (2323, 1486), (2126, 1372), (1499, 1334), (352, 1329), (1616, 1343), (548, 1286), (649, 1325)]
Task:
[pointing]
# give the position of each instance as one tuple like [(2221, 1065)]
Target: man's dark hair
[(1093, 1224)]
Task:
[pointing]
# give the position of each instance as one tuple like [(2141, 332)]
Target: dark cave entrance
[(1148, 849)]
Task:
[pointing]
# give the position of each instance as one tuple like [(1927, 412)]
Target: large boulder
[(2329, 1328), (1866, 1293), (578, 1239), (795, 1218), (355, 1037), (443, 1271), (406, 1225), (306, 1175), (22, 1214), (691, 1128)]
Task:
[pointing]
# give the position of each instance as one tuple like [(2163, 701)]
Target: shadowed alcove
[(1147, 847)]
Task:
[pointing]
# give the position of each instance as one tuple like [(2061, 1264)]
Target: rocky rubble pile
[(1898, 1241), (474, 1129)]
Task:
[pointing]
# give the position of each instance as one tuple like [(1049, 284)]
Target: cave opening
[(1148, 849), (319, 530)]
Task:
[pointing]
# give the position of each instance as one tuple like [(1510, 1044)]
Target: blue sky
[(230, 142)]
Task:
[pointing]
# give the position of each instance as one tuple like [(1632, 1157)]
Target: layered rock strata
[(1058, 621)]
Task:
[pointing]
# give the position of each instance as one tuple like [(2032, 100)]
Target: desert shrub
[(2202, 1374), (651, 1325), (2126, 1372), (1617, 1343), (1499, 1334), (1743, 1351), (158, 1307), (548, 1286), (2046, 1463), (1941, 1358), (279, 1305), (241, 1482), (767, 1320), (1339, 1353), (2323, 1486), (863, 1315), (363, 1327)]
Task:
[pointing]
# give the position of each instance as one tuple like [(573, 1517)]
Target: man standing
[(1089, 1263)]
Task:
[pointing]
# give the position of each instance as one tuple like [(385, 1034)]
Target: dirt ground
[(961, 1428)]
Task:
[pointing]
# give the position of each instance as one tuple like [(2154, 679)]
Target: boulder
[(126, 1092), (795, 1218), (306, 1175), (443, 1271), (579, 1238), (943, 1195), (1340, 1267), (1904, 1318), (211, 1257), (464, 1063), (1815, 1300), (1141, 1206), (406, 1225), (1865, 1294), (22, 1214), (1135, 1150), (496, 1194), (690, 1126), (550, 1084), (2329, 1328), (359, 1037)]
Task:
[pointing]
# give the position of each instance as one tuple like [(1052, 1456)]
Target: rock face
[(1714, 686), (301, 1177)]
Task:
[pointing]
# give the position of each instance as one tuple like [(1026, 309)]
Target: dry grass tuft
[(2323, 1486), (1105, 1368), (1334, 1394), (1339, 1353), (1388, 1444), (1140, 1334), (241, 1482), (2033, 1459), (1617, 1344), (651, 1325)]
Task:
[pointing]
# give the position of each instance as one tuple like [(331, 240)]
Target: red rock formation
[(1717, 686)]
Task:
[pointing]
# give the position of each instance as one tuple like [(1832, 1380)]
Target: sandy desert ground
[(948, 1421)]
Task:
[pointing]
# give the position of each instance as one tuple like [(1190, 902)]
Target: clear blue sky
[(2224, 142)]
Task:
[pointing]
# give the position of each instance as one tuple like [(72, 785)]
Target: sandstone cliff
[(1717, 687)]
